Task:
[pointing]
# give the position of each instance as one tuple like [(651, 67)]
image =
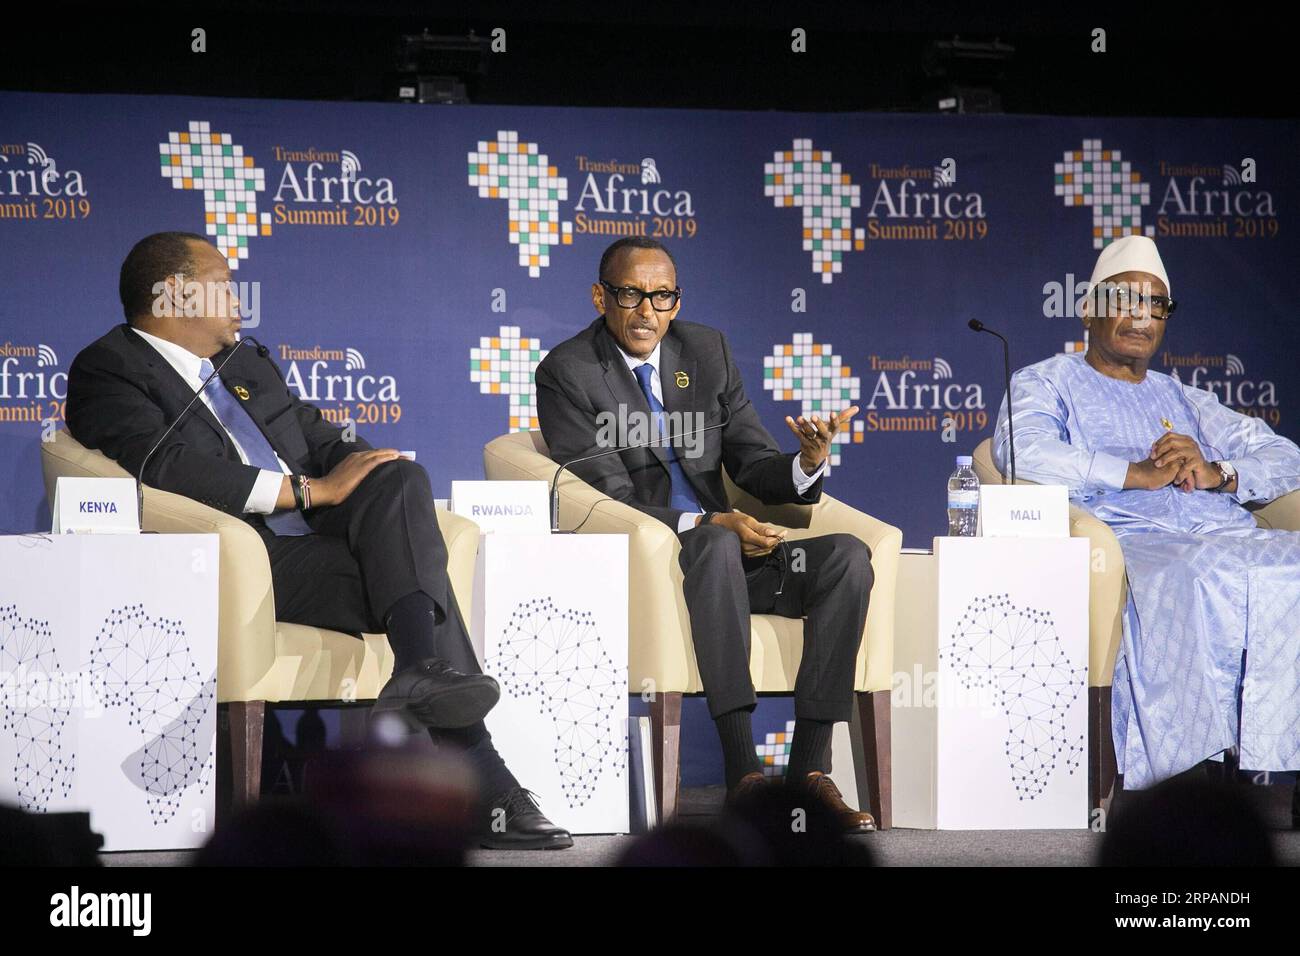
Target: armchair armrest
[(246, 645), (1282, 514), (460, 535), (1107, 594), (875, 664), (659, 643)]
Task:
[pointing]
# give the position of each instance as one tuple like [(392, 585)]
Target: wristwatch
[(1228, 472)]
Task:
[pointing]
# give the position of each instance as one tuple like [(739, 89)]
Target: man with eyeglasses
[(638, 360), (1171, 470)]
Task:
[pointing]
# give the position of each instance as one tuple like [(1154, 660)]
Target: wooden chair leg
[(247, 720), (1101, 748), (666, 725), (870, 732)]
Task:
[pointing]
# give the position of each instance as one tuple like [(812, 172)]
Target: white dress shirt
[(266, 489), (802, 482)]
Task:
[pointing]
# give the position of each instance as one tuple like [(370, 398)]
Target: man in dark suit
[(638, 363), (350, 530)]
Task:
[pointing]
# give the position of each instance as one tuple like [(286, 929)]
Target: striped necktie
[(260, 454)]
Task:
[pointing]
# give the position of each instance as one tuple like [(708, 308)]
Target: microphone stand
[(979, 326), (654, 442), (262, 350)]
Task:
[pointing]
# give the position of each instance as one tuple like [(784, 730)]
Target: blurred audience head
[(1187, 821), (396, 801)]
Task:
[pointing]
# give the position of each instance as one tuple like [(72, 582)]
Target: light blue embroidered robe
[(1205, 583)]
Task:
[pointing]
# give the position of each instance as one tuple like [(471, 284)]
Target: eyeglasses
[(630, 297), (1120, 299)]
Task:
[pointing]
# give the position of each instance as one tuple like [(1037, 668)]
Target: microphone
[(262, 350), (555, 489), (978, 326)]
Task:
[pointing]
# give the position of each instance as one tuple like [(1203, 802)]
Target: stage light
[(438, 69), (968, 72)]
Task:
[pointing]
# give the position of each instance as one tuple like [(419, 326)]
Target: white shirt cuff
[(265, 493), (803, 482), (687, 521)]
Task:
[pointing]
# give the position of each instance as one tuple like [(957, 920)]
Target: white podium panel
[(990, 709), (550, 623), (108, 677)]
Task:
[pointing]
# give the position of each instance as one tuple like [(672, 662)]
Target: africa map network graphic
[(1016, 652), (146, 667), (557, 656), (42, 765), (137, 662)]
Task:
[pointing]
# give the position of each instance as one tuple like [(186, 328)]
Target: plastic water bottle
[(963, 499)]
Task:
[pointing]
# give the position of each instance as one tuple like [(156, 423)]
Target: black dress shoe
[(434, 694), (515, 822)]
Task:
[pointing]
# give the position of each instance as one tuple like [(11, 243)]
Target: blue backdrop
[(392, 254)]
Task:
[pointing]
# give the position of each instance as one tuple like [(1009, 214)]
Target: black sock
[(738, 754), (811, 738), (475, 743), (410, 625)]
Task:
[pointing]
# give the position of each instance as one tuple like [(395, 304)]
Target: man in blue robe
[(1210, 658)]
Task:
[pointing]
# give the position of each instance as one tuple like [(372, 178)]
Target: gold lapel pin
[(1169, 426), (682, 379), (241, 392)]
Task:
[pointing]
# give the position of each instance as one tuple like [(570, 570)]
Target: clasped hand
[(1178, 460)]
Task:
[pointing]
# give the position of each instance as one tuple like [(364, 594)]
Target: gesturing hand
[(347, 474), (816, 434), (756, 538), (1193, 472)]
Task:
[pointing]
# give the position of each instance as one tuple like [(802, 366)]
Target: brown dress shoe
[(746, 788), (823, 789)]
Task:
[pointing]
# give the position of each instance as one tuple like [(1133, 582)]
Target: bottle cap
[(964, 461)]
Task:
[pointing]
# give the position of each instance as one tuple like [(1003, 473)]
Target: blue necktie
[(259, 451), (683, 494)]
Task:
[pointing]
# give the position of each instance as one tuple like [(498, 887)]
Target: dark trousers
[(826, 579), (378, 545)]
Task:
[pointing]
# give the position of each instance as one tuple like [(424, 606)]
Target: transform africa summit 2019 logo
[(615, 198), (315, 187)]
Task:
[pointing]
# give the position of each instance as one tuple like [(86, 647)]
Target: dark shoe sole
[(447, 709), (527, 843)]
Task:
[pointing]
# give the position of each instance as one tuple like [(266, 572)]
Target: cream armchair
[(261, 660), (1107, 595), (660, 653)]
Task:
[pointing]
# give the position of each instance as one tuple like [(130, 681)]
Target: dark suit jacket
[(587, 375), (122, 395)]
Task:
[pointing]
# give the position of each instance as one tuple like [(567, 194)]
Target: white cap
[(1129, 254)]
